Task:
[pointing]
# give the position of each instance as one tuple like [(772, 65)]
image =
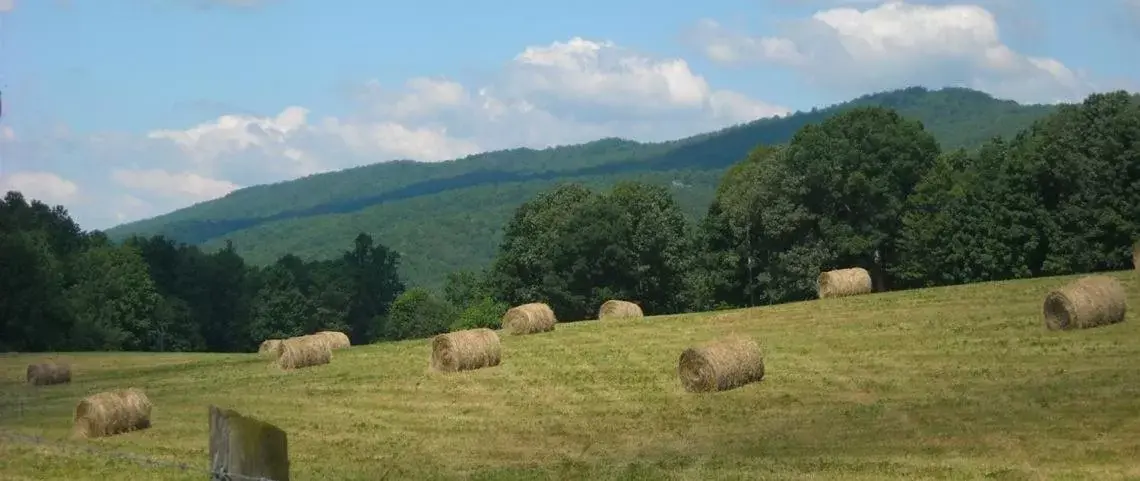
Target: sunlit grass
[(952, 383)]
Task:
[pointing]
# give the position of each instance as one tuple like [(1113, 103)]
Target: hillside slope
[(960, 382), (448, 215)]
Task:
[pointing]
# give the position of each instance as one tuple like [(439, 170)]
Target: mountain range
[(447, 216)]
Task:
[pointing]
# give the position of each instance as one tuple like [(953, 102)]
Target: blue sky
[(125, 109)]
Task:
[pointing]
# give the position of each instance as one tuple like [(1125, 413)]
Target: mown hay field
[(961, 382)]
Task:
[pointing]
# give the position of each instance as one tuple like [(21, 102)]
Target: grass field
[(960, 382)]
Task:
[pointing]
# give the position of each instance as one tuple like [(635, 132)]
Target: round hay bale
[(529, 319), (1089, 301), (616, 309), (721, 365), (304, 351), (336, 339), (112, 412), (270, 347), (47, 373), (465, 350), (844, 282)]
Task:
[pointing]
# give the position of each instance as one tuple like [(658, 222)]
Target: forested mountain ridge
[(448, 215)]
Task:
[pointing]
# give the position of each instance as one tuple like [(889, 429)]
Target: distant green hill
[(446, 216)]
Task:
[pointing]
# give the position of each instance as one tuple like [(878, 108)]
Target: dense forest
[(866, 187), (472, 198)]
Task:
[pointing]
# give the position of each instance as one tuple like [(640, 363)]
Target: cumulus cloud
[(184, 185), (898, 44), (560, 93), (44, 186)]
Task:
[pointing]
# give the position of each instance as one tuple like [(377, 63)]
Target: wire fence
[(143, 461)]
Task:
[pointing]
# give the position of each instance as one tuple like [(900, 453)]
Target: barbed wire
[(144, 461)]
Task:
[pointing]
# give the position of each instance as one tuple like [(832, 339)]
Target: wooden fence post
[(245, 446)]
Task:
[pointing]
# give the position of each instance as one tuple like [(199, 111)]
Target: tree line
[(866, 188)]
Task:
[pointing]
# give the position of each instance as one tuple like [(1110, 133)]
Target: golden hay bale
[(112, 412), (48, 373), (721, 365), (464, 350), (271, 347), (615, 309), (336, 339), (529, 319), (311, 338), (1090, 301), (844, 282), (304, 351)]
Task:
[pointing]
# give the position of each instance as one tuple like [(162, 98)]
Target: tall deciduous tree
[(280, 309), (417, 313), (373, 270), (630, 243), (523, 263), (1086, 158), (113, 300), (854, 173), (33, 311)]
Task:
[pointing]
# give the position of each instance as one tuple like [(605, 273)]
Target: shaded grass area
[(960, 382)]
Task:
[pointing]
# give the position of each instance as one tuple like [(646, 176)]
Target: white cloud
[(897, 44), (46, 187), (7, 5), (618, 82), (560, 93), (184, 185), (564, 92), (129, 207)]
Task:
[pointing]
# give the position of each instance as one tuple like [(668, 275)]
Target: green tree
[(416, 313), (486, 312), (113, 299), (523, 264), (373, 270), (173, 327), (629, 243), (280, 309), (1087, 163), (330, 288), (760, 244), (728, 239), (464, 288), (853, 174), (973, 218), (32, 308)]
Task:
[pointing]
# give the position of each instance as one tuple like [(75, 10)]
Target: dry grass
[(1090, 301), (956, 383), (844, 282), (530, 318), (617, 309), (465, 350), (111, 412), (304, 351), (721, 365), (48, 373)]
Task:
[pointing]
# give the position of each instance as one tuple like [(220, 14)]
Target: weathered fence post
[(245, 446)]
